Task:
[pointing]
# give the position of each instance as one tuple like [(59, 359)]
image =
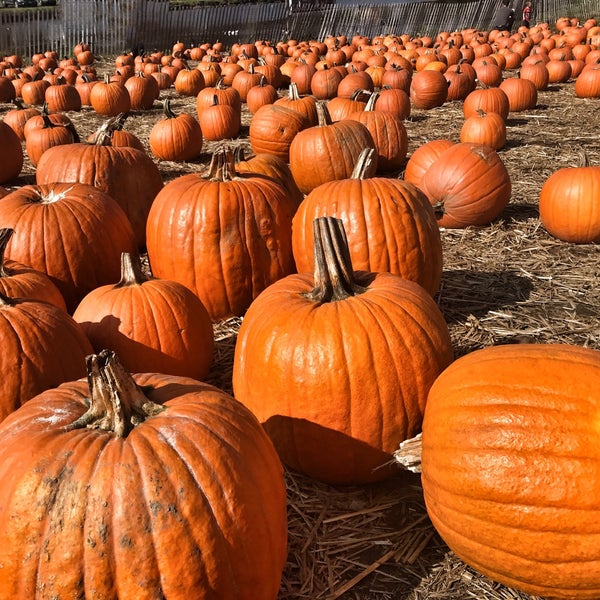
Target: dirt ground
[(504, 283)]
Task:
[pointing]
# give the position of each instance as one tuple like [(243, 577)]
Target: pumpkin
[(109, 98), (143, 90), (468, 184), (42, 346), (569, 204), (74, 233), (536, 72), (224, 95), (111, 133), (126, 174), (137, 485), (16, 117), (50, 134), (328, 151), (34, 92), (20, 281), (261, 94), (223, 234), (339, 108), (220, 120), (311, 350), (152, 324), (393, 100), (423, 157), (388, 132), (62, 96), (12, 154), (273, 128), (389, 226), (461, 81), (488, 99), (306, 105), (428, 89), (510, 465), (324, 83), (189, 82), (484, 128), (521, 93), (587, 85), (176, 137)]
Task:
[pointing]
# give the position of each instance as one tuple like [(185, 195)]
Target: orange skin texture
[(42, 346), (224, 240), (126, 174), (511, 466), (422, 158), (337, 385), (487, 99), (177, 138), (522, 93), (468, 184), (156, 325), (389, 225), (74, 233), (190, 504), (570, 204), (484, 128)]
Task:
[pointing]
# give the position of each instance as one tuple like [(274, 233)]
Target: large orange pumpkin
[(223, 234), (337, 366), (511, 466), (139, 486), (570, 204)]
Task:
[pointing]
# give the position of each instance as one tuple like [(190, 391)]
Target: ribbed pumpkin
[(154, 325), (176, 137), (223, 234), (468, 184), (42, 346), (428, 89), (49, 135), (569, 204), (16, 117), (328, 151), (143, 90), (138, 486), (109, 98), (511, 464), (388, 132), (126, 174), (521, 93), (389, 226), (20, 281), (484, 128), (306, 105), (74, 233), (220, 120), (273, 128), (587, 84), (337, 366), (488, 99)]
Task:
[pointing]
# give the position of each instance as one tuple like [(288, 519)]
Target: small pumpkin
[(484, 128), (12, 154)]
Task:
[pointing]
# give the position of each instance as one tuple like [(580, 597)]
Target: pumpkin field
[(491, 158)]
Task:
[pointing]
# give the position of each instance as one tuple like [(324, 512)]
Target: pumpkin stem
[(334, 277), (438, 209), (363, 164), (5, 235), (117, 403), (323, 114), (222, 165), (131, 270), (104, 133), (167, 110), (408, 454)]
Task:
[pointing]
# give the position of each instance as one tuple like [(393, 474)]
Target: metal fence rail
[(114, 26)]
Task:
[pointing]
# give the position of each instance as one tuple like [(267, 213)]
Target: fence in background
[(114, 26)]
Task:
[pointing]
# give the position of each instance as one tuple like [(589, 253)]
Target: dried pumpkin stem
[(131, 270), (5, 235), (334, 277), (117, 403)]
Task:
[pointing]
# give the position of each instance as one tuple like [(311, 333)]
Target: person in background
[(527, 14), (504, 17)]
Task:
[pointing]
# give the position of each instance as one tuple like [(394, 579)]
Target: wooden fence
[(114, 26)]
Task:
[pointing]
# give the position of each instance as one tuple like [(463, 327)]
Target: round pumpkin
[(468, 184), (42, 346), (569, 204), (337, 366), (511, 466), (484, 128), (423, 157), (74, 233), (137, 485), (389, 225), (12, 154), (153, 324)]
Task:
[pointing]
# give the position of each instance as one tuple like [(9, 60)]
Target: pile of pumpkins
[(123, 473)]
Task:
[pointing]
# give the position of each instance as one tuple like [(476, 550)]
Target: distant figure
[(504, 17), (527, 14)]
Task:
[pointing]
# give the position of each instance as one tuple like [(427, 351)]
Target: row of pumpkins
[(123, 475)]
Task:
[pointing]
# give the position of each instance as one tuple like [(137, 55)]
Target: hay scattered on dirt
[(509, 282)]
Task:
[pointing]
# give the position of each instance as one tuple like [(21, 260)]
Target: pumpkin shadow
[(465, 293)]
